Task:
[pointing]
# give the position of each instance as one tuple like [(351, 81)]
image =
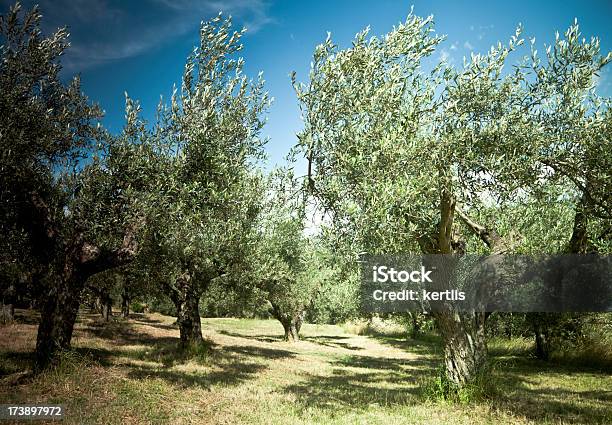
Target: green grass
[(131, 372)]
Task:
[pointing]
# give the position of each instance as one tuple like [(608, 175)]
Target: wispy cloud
[(468, 45), (106, 30)]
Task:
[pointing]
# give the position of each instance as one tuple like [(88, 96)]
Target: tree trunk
[(540, 323), (107, 310), (125, 306), (465, 348), (465, 345), (185, 295), (79, 260), (7, 313), (292, 332), (188, 319), (415, 325), (542, 345), (98, 305), (292, 323), (578, 244), (57, 320)]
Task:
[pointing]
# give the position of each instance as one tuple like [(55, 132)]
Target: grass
[(130, 372)]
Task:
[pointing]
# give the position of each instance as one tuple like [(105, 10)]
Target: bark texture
[(190, 326), (125, 306), (57, 320), (186, 298), (291, 321), (59, 312), (7, 313), (465, 347)]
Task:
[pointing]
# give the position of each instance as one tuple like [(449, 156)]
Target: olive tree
[(404, 154), (77, 217), (208, 191), (290, 267)]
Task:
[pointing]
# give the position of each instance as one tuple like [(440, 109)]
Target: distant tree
[(338, 300), (289, 267)]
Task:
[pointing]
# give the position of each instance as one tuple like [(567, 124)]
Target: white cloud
[(454, 46), (102, 31), (468, 45)]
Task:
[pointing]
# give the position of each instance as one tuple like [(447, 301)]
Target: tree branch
[(447, 214), (488, 236), (92, 260)]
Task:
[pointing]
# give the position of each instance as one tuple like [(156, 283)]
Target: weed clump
[(441, 389)]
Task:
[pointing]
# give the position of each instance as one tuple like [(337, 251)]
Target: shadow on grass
[(333, 341), (228, 374), (232, 364), (27, 316), (121, 332), (524, 391), (359, 382), (154, 323), (260, 338), (12, 362), (424, 344)]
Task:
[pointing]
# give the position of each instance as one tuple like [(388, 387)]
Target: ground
[(129, 372)]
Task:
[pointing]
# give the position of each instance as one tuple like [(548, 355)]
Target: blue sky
[(140, 46)]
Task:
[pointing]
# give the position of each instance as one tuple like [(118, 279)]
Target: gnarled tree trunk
[(57, 320), (7, 313), (60, 308), (189, 323), (186, 299), (540, 324), (465, 348), (292, 322), (125, 305)]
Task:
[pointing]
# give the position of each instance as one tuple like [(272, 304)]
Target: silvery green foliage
[(207, 192), (46, 129), (389, 133), (44, 123)]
